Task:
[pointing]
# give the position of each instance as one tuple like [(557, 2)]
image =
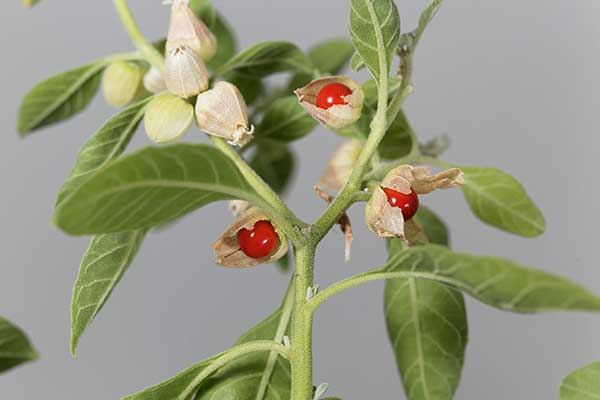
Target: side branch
[(281, 214), (232, 354), (369, 276)]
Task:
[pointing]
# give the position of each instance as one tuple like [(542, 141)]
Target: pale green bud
[(168, 118), (122, 83)]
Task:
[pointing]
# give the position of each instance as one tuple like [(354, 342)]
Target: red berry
[(408, 203), (260, 241), (332, 94)]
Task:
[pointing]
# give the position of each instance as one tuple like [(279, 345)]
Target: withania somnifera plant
[(196, 81)]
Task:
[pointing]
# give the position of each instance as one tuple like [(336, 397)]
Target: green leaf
[(227, 42), (427, 326), (375, 31), (499, 200), (59, 97), (398, 140), (435, 229), (330, 57), (583, 384), (495, 281), (426, 17), (151, 187), (275, 163), (172, 388), (108, 143), (285, 120), (356, 62), (205, 10), (257, 376), (102, 267), (250, 87), (267, 58), (15, 348)]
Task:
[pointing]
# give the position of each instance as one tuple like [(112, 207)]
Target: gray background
[(515, 83)]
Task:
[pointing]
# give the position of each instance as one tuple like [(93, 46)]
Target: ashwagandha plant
[(196, 75)]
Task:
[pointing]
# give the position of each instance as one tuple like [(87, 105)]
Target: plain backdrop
[(514, 83)]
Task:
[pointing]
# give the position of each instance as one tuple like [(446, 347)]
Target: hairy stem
[(145, 48), (281, 214), (301, 359)]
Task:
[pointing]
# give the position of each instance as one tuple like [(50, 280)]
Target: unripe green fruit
[(122, 83)]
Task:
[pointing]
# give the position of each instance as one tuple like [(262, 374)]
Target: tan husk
[(227, 251), (382, 219), (414, 233), (154, 81), (387, 221), (185, 73), (222, 111), (406, 177), (339, 168), (337, 116), (187, 29), (237, 207)]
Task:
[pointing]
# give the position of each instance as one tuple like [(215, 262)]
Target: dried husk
[(387, 221), (406, 177), (187, 29), (414, 233), (122, 83), (227, 251), (185, 73), (222, 111), (154, 81), (167, 118), (337, 116), (339, 168), (382, 219)]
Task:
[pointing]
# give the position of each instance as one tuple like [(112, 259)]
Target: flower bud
[(154, 81), (167, 118), (387, 221), (222, 112), (185, 73), (237, 207), (339, 168), (187, 29), (339, 114), (227, 249), (122, 83)]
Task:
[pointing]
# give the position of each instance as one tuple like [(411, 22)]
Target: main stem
[(301, 354)]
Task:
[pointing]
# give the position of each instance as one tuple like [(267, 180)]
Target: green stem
[(287, 307), (301, 359), (280, 213), (348, 194), (369, 276), (146, 49), (232, 354)]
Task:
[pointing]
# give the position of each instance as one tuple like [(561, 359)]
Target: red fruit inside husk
[(332, 94), (258, 242), (408, 203)]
